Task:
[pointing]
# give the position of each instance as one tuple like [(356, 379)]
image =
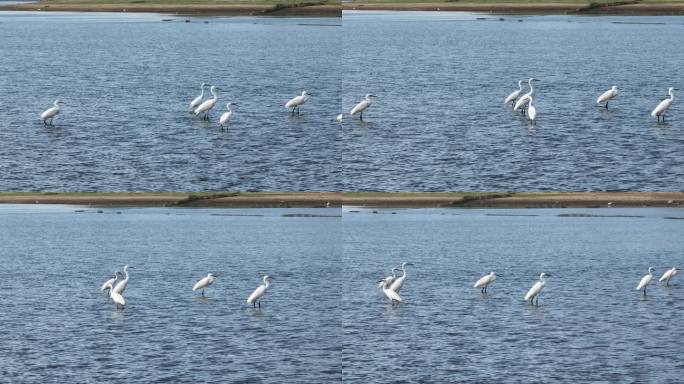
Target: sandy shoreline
[(331, 199), (641, 9), (326, 10)]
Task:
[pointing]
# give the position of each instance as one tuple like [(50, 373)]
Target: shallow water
[(439, 122), (127, 80), (591, 325), (57, 325)]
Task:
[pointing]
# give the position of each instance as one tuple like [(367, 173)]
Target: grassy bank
[(370, 199), (314, 8), (595, 7)]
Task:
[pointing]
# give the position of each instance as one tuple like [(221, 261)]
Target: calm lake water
[(439, 122), (591, 325), (127, 80), (58, 326)]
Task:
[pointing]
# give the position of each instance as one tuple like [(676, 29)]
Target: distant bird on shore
[(522, 102), (536, 289), (204, 282), (646, 280), (607, 96), (207, 105), (51, 113), (531, 112), (668, 275), (258, 293), (393, 296), (362, 106), (225, 118), (296, 102), (485, 281), (398, 283), (664, 105), (511, 98), (198, 100)]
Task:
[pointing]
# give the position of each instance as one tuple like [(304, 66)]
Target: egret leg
[(667, 282), (606, 105), (361, 116), (203, 292), (537, 303), (644, 291), (254, 304), (259, 304), (293, 108)]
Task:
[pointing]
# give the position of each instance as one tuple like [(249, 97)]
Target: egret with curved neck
[(120, 287), (255, 297), (511, 98), (536, 289), (51, 113), (646, 280), (664, 105), (399, 281), (198, 100), (207, 105), (526, 97)]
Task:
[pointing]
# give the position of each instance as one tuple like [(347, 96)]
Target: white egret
[(204, 282), (298, 101), (118, 299), (109, 284), (120, 287), (485, 281), (198, 100), (536, 289), (339, 117), (225, 118), (664, 105), (258, 293), (362, 106), (511, 98), (526, 97), (607, 95), (389, 279), (531, 112), (393, 296), (399, 281), (668, 275), (646, 280), (51, 113), (207, 105)]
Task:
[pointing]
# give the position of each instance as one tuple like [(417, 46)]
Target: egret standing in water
[(258, 293), (669, 274), (198, 100), (225, 118), (645, 281), (393, 296), (389, 279), (664, 105), (399, 281), (362, 106), (526, 97), (607, 95), (536, 289), (51, 113), (511, 98), (118, 299), (485, 281), (298, 101), (532, 112), (207, 105), (109, 284), (205, 282), (120, 287)]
